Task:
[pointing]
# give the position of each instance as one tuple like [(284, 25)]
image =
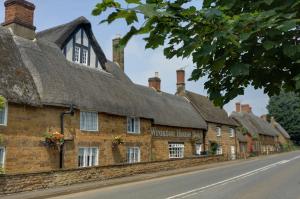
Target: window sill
[(134, 133), (89, 131)]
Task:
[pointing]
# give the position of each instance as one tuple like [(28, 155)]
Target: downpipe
[(62, 115)]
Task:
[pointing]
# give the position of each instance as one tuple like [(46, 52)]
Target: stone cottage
[(260, 135), (58, 82), (220, 135)]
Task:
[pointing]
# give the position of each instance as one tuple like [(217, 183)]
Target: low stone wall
[(13, 183)]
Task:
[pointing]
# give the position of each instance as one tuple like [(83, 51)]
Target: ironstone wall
[(13, 183)]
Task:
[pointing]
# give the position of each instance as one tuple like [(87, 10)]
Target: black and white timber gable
[(79, 50), (77, 43)]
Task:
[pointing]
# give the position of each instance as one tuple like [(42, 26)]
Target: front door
[(232, 150)]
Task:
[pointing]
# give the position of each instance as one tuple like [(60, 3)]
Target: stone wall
[(13, 183)]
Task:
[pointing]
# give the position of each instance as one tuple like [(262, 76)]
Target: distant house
[(59, 80), (261, 136), (221, 133), (284, 138)]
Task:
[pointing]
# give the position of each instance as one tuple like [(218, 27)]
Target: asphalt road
[(273, 177)]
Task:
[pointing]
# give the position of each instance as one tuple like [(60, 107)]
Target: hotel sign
[(183, 134)]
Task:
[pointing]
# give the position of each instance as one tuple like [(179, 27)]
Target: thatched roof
[(281, 130), (253, 124), (208, 110), (46, 77)]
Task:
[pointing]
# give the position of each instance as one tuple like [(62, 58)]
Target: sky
[(140, 64)]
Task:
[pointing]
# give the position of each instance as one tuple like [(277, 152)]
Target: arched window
[(3, 114)]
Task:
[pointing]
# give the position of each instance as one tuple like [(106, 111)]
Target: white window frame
[(231, 132), (86, 56), (133, 125), (79, 54), (176, 150), (134, 153), (219, 150), (218, 131), (5, 114), (84, 128), (199, 148), (88, 151), (3, 158)]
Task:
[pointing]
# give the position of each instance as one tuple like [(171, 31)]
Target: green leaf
[(133, 1), (268, 2), (148, 10), (287, 25), (289, 50), (239, 69), (268, 45), (128, 36)]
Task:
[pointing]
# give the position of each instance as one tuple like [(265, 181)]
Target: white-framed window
[(219, 150), (231, 132), (176, 150), (88, 121), (2, 157), (85, 53), (3, 115), (198, 149), (133, 125), (133, 154), (88, 156), (77, 54), (218, 131)]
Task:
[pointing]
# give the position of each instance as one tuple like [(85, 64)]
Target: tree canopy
[(285, 108), (234, 43)]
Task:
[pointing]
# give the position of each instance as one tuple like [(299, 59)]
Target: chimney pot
[(19, 17), (118, 52), (154, 82), (180, 82), (238, 107)]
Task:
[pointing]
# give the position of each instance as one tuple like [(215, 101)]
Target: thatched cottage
[(261, 136), (69, 107)]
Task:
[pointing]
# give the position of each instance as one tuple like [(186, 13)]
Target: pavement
[(275, 177)]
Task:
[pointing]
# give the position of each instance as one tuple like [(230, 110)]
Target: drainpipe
[(70, 112)]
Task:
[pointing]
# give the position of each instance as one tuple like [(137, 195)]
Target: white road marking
[(244, 175)]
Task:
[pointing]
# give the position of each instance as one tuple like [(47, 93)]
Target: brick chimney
[(19, 16), (118, 52), (180, 82), (246, 108), (154, 82), (237, 107)]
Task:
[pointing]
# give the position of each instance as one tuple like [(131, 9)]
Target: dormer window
[(80, 50)]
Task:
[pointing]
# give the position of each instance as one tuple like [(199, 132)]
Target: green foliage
[(213, 148), (233, 43), (2, 171), (285, 108), (2, 102)]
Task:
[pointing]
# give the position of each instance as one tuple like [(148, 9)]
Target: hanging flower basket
[(55, 139), (117, 140)]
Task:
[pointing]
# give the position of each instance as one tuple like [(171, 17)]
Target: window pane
[(85, 56), (89, 121), (176, 150), (1, 157), (88, 157), (2, 116), (77, 54)]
